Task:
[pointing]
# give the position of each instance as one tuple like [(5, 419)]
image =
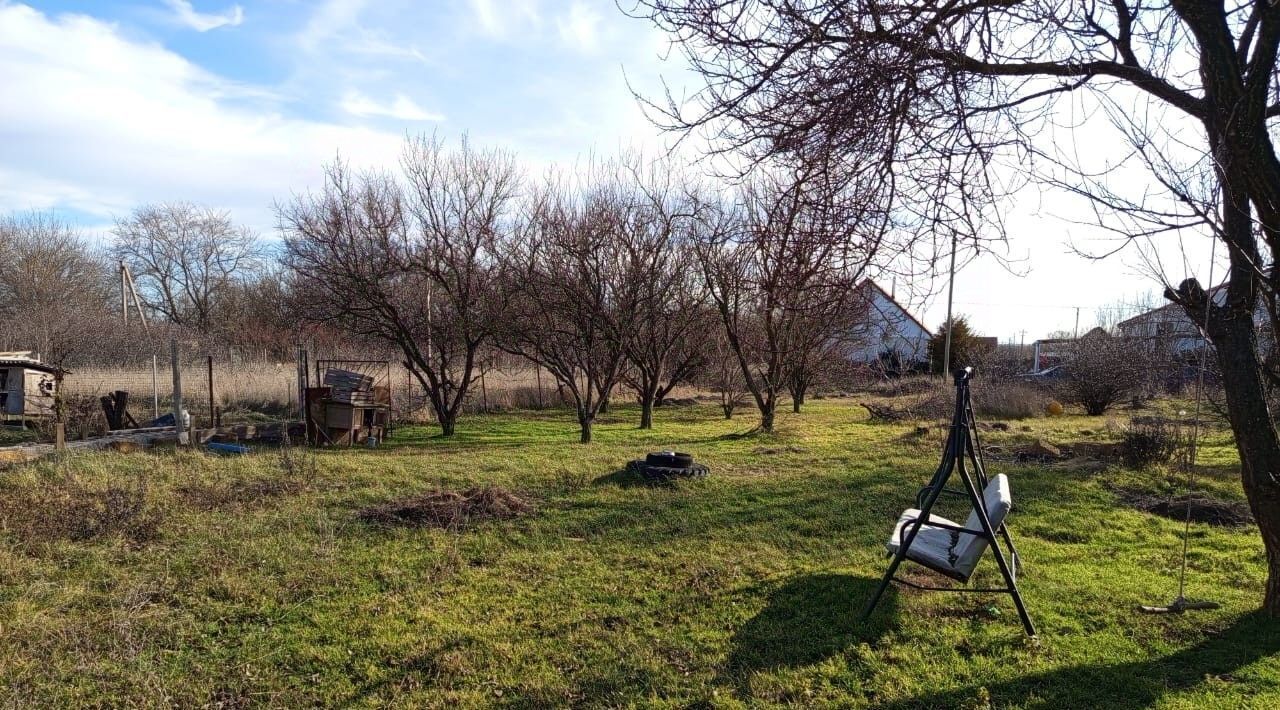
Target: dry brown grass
[(450, 510), (67, 509)]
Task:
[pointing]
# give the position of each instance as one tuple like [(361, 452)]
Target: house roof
[(1094, 332), (1147, 315), (1220, 288), (869, 283)]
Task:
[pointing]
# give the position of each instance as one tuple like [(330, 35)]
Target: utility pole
[(1077, 335), (951, 289), (124, 295)]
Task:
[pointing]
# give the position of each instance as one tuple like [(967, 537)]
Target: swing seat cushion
[(948, 552)]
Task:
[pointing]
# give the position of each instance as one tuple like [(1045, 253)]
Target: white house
[(1167, 326), (886, 331)]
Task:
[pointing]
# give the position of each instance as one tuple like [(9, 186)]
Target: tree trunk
[(797, 399), (1256, 438), (448, 424), (648, 397), (728, 411), (766, 419), (585, 423)]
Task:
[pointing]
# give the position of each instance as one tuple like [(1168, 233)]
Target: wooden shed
[(28, 387), (353, 406)]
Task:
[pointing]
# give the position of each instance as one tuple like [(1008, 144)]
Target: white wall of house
[(888, 327), (1168, 325)]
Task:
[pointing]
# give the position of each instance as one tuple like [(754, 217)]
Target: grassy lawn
[(251, 581)]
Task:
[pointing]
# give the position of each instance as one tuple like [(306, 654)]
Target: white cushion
[(932, 546), (949, 551), (998, 500)]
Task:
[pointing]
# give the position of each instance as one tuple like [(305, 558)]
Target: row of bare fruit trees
[(621, 272)]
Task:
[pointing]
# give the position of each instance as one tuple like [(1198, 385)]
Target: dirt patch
[(680, 402), (772, 450), (1203, 509), (450, 510), (214, 496), (69, 510)]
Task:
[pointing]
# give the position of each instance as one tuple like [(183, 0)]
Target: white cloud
[(580, 28), (185, 14), (500, 19), (97, 122), (400, 107)]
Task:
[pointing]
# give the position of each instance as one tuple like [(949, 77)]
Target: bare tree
[(781, 266), (668, 290), (54, 289), (413, 269), (461, 204), (839, 318), (723, 374), (186, 260), (572, 302), (930, 94)]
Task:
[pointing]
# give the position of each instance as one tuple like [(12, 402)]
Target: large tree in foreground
[(923, 90)]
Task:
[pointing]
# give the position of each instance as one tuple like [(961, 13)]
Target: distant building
[(1167, 326), (887, 334), (28, 387), (1048, 352)]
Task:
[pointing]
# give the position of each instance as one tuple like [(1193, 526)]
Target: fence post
[(155, 386), (213, 418), (183, 438)]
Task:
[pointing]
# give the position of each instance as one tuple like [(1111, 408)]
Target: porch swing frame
[(963, 443)]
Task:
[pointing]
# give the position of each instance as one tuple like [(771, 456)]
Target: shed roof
[(32, 365)]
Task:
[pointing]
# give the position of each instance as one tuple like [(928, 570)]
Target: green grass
[(263, 588)]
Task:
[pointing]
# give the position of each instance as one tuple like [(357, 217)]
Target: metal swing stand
[(962, 456)]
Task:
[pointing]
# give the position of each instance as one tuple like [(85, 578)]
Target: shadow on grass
[(810, 618), (626, 477), (1138, 684)]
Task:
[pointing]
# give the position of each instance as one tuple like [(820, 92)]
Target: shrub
[(1009, 400), (1102, 371), (1144, 445), (904, 386)]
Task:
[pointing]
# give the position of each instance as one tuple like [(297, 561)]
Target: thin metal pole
[(183, 439), (155, 386), (213, 419)]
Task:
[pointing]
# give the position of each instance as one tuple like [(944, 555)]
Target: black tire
[(666, 473), (666, 459)]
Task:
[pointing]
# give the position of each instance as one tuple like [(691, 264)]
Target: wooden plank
[(140, 438)]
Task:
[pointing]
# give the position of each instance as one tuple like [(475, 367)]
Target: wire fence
[(248, 390)]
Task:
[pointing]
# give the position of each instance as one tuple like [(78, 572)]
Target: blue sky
[(238, 103), (107, 105)]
